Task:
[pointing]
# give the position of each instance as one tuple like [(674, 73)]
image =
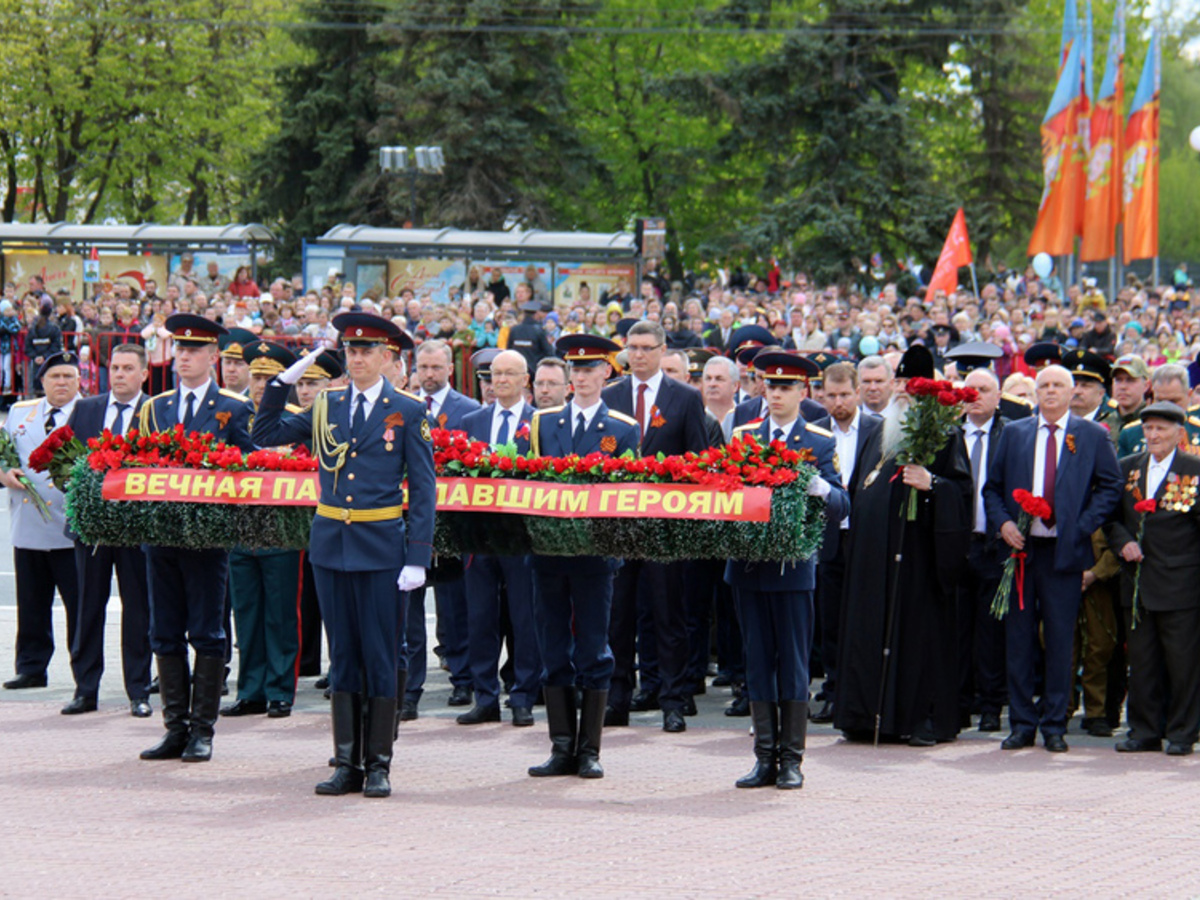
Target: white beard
[(893, 427)]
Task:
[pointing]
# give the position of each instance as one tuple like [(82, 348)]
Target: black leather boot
[(401, 684), (793, 726), (562, 719), (377, 758), (591, 724), (175, 690), (345, 710), (207, 679), (766, 746)]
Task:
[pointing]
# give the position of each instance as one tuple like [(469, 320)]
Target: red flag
[(956, 252)]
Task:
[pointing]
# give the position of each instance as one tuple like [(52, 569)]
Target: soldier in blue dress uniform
[(369, 437), (774, 601), (187, 587), (573, 596)]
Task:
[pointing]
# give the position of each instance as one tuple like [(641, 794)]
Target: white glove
[(296, 370), (411, 578), (819, 487)]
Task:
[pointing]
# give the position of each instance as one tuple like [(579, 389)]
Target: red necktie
[(429, 402), (1050, 472), (639, 411)]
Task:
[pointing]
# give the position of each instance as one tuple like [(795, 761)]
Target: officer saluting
[(574, 594), (187, 587), (368, 438), (775, 601)]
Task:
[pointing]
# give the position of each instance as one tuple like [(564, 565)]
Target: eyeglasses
[(641, 348)]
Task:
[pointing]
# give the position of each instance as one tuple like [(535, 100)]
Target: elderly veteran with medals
[(368, 437), (774, 601), (572, 599), (1157, 535), (187, 587)]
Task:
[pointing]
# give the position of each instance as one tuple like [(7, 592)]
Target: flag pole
[(974, 281)]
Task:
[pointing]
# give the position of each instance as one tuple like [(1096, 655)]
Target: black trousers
[(661, 584), (831, 576), (311, 630), (38, 573), (95, 567), (1164, 675), (980, 634)]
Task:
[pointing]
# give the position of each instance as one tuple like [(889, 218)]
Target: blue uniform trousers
[(362, 616), (1051, 600), (777, 629), (572, 602), (187, 600), (484, 577)]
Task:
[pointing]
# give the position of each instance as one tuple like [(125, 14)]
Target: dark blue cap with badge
[(194, 331), (481, 362), (586, 350), (749, 336), (780, 367), (1043, 353), (1086, 364), (62, 358), (366, 328)]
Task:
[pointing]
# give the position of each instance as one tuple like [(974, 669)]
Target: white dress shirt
[(1156, 472), (847, 448), (110, 411), (1039, 529), (370, 395), (985, 437), (439, 397), (184, 392), (652, 386), (588, 414), (514, 421)]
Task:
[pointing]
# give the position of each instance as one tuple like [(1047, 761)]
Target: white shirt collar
[(589, 413), (372, 393), (1165, 464), (200, 392), (132, 404), (1061, 424), (787, 429), (654, 382), (852, 428), (986, 428)]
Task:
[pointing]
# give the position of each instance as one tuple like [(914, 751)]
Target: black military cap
[(234, 340), (62, 358), (481, 361), (1086, 364), (1043, 353), (697, 357)]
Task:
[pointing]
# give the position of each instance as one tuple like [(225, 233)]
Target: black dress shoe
[(279, 709), (476, 715), (823, 714), (245, 708), (408, 711), (522, 716), (722, 680), (321, 683), (643, 701), (1055, 743), (1017, 741), (674, 722), (153, 689), (689, 707), (701, 688), (79, 705), (739, 708), (1098, 727), (1132, 745), (140, 708), (1175, 748), (460, 696), (989, 722), (616, 718), (922, 740), (26, 680)]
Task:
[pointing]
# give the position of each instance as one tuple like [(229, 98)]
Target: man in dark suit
[(187, 587), (115, 410), (1071, 463), (981, 636), (851, 430), (370, 438), (574, 594), (1161, 553), (672, 421), (446, 408), (489, 578), (775, 601)]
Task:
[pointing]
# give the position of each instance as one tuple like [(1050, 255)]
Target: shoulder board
[(1110, 403), (1138, 422), (1013, 398), (816, 429), (22, 403), (1193, 409), (293, 408), (554, 409), (163, 394), (233, 395), (750, 426), (334, 390), (410, 395), (621, 417), (1194, 420)]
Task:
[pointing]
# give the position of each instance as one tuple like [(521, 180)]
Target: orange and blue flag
[(1141, 160), (1102, 200)]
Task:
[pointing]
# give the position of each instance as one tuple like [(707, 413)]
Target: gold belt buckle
[(346, 516)]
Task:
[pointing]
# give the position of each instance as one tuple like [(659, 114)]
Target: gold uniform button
[(349, 499), (351, 476), (353, 453)]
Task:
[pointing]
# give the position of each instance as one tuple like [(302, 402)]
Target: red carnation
[(1146, 506)]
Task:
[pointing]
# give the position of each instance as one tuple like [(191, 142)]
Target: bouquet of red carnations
[(1145, 507), (1032, 507), (57, 454), (933, 415)]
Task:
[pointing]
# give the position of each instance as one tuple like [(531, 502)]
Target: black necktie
[(580, 428), (189, 412), (118, 426), (502, 436), (360, 415), (50, 418), (778, 436)]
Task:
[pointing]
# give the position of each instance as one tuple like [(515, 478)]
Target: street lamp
[(422, 161)]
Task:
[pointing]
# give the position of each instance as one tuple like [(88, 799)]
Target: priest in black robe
[(920, 703)]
